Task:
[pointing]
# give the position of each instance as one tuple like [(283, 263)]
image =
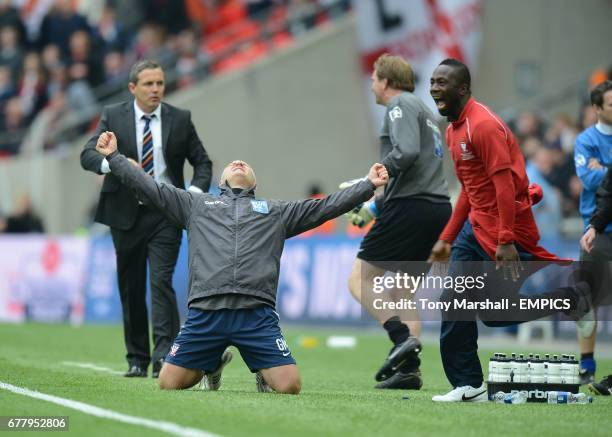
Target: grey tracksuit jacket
[(236, 240), (411, 149)]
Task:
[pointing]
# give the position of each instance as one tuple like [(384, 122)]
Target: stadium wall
[(539, 54), (301, 116), (295, 117)]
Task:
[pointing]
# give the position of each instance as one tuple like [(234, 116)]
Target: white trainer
[(212, 381), (262, 385), (465, 393)]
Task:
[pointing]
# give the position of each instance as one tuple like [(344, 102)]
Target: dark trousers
[(155, 240), (459, 332)]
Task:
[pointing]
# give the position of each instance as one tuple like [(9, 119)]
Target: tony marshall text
[(465, 304)]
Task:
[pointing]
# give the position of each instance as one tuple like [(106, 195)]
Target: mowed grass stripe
[(92, 366), (338, 398), (170, 428)]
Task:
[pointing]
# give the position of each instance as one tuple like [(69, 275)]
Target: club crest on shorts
[(260, 206), (174, 349)]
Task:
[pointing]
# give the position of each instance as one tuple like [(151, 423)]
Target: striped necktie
[(147, 147)]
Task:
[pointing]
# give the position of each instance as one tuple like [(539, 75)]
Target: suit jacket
[(118, 207)]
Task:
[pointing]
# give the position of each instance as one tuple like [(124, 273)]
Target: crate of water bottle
[(552, 397), (534, 375), (533, 368), (533, 392)]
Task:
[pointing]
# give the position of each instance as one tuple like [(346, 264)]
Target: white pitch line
[(92, 367), (169, 427)]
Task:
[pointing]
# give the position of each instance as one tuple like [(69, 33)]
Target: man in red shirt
[(492, 220)]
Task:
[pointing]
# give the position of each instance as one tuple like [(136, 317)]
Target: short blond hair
[(396, 70)]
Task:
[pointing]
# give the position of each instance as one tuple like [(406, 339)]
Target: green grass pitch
[(337, 398)]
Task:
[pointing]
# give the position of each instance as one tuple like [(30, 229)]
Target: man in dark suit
[(157, 137)]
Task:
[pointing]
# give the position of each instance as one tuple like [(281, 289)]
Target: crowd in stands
[(59, 59), (23, 219), (549, 153)]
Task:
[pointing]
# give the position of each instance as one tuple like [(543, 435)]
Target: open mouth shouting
[(441, 103)]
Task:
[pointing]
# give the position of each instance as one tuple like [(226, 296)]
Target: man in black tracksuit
[(602, 215), (235, 245), (600, 269)]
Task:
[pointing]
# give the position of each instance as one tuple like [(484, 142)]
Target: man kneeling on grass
[(235, 245)]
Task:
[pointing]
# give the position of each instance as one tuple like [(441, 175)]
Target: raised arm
[(300, 216), (198, 158), (173, 202)]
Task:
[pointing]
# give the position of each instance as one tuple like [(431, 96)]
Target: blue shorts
[(254, 332)]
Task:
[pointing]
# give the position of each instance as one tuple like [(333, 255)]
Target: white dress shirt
[(159, 163)]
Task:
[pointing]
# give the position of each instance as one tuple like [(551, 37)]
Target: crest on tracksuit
[(260, 206)]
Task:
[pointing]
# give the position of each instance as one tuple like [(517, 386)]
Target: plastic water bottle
[(522, 370), (503, 368), (546, 360), (513, 368), (538, 371), (565, 397), (493, 368), (566, 370), (575, 370), (529, 368), (554, 371), (514, 398)]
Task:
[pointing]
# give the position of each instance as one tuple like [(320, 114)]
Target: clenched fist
[(378, 175), (107, 143)]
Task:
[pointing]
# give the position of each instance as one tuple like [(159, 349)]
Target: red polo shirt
[(482, 146)]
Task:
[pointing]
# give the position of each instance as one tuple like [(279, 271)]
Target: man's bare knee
[(354, 280), (354, 287), (174, 377), (167, 382), (290, 387), (360, 277), (283, 379)]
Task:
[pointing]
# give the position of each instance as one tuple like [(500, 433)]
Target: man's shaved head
[(238, 174)]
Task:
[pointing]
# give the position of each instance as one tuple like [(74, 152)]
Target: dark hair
[(599, 91), (145, 64), (463, 72)]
